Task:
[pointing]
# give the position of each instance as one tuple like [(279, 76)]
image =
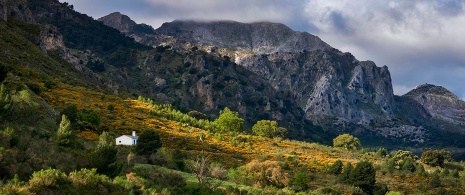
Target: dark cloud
[(421, 41)]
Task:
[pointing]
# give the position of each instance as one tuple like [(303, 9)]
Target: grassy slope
[(134, 115)]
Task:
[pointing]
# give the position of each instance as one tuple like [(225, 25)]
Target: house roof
[(130, 136)]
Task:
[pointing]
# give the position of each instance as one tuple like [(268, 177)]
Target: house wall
[(124, 140)]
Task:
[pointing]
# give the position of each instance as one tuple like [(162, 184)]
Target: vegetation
[(229, 121), (267, 128), (433, 158), (74, 152), (347, 142), (64, 133), (148, 143)]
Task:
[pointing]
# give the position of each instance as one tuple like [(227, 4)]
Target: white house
[(128, 140)]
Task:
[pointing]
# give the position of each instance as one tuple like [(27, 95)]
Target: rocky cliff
[(440, 103), (325, 82), (16, 9)]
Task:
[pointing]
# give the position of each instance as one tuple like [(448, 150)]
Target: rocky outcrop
[(407, 133), (118, 21), (259, 38), (16, 9), (329, 83), (440, 103), (50, 38)]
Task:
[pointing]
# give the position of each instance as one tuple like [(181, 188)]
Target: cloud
[(420, 41)]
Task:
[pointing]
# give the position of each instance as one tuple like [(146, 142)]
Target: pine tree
[(64, 133), (363, 176), (335, 168), (104, 156), (346, 173), (435, 181)]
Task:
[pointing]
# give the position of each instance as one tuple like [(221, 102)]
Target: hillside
[(63, 102)]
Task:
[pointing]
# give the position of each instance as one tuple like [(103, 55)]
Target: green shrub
[(432, 158), (401, 157), (335, 168), (50, 178), (435, 181), (267, 128), (34, 87), (347, 142), (148, 143)]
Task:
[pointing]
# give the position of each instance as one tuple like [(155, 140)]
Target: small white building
[(128, 140)]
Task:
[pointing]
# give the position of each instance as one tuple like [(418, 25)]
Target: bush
[(400, 158), (432, 158), (435, 181), (267, 173), (34, 87), (336, 168), (301, 180), (267, 128), (381, 153), (347, 142), (50, 178), (148, 143)]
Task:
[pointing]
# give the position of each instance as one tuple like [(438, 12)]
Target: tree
[(336, 168), (229, 121), (347, 141), (346, 173), (409, 165), (64, 133), (204, 171), (432, 158), (104, 155), (435, 180), (267, 128), (363, 176), (148, 143)]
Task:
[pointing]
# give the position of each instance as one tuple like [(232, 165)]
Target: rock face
[(50, 38), (260, 38), (324, 81), (118, 21), (440, 103), (328, 83), (16, 9), (127, 26)]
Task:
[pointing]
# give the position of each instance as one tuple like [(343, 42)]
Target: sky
[(421, 41)]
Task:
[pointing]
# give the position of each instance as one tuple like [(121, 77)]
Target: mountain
[(127, 26), (324, 81), (259, 38), (440, 103), (194, 80), (333, 88)]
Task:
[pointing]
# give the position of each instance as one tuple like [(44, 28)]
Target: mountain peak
[(431, 89), (258, 37), (440, 102), (118, 21)]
